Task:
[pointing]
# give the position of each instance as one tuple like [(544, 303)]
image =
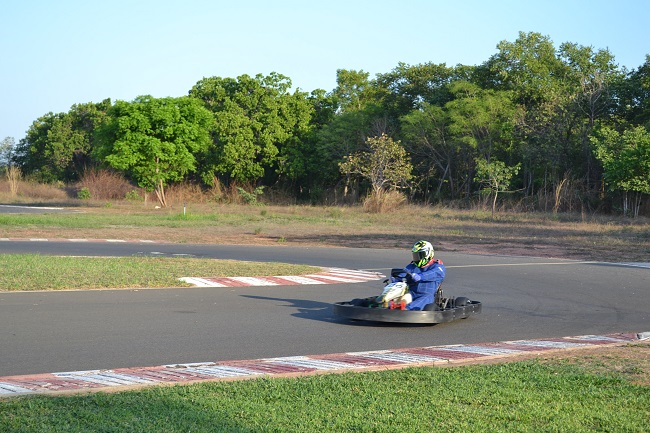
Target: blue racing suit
[(423, 282)]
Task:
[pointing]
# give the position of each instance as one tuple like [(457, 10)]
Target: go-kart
[(390, 306)]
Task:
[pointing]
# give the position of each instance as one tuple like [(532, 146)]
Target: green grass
[(35, 272), (164, 219), (519, 397)]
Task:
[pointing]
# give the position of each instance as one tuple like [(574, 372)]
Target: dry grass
[(105, 185), (528, 234), (386, 222), (22, 191), (384, 201)]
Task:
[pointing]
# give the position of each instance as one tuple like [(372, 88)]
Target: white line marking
[(200, 282), (521, 264), (410, 358), (329, 277), (598, 338), (305, 362), (254, 281), (108, 378), (301, 280), (222, 371), (7, 388), (482, 350), (542, 343)]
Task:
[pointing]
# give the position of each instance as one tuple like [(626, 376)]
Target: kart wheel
[(461, 301)]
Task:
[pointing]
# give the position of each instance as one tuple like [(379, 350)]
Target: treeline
[(560, 129)]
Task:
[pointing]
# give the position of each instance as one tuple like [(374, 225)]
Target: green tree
[(257, 122), (484, 119), (154, 140), (406, 87), (384, 164), (633, 94), (58, 147), (434, 153), (36, 155), (495, 177), (481, 124), (530, 67), (353, 89), (626, 162), (591, 80)]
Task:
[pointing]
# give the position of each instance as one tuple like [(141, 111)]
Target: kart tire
[(461, 301)]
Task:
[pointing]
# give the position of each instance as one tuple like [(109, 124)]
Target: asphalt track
[(523, 298)]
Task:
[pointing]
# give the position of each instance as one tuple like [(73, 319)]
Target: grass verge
[(527, 396), (28, 272), (571, 236)]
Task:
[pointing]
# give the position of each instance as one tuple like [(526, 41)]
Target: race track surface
[(523, 298)]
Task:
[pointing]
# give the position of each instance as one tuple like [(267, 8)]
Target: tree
[(384, 164), (530, 67), (256, 122), (634, 95), (590, 82), (427, 139), (406, 87), (495, 176), (353, 89), (57, 147), (6, 151), (626, 162), (484, 119), (11, 172), (481, 123), (35, 154), (154, 140)]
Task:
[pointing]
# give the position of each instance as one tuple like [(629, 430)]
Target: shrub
[(83, 194), (250, 197), (104, 184), (133, 195)]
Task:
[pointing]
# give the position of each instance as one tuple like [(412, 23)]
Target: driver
[(423, 275)]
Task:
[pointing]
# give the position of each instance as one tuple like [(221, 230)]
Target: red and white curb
[(328, 276), (78, 381)]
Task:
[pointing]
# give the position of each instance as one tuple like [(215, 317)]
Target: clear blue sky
[(58, 53)]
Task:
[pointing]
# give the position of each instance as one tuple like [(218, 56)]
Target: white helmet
[(422, 253)]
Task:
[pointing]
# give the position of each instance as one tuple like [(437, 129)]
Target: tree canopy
[(154, 140), (554, 112), (256, 121)]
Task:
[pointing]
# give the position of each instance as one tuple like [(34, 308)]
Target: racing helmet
[(422, 253)]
